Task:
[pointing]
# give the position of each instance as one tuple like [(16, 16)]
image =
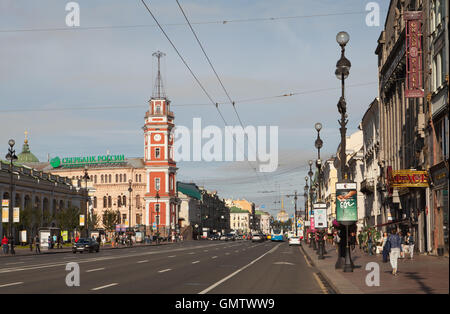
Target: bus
[(276, 235)]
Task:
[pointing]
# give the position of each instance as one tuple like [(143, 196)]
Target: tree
[(110, 219), (68, 219), (94, 220)]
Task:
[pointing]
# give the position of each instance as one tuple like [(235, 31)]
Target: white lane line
[(96, 269), (172, 256), (144, 261), (237, 271), (11, 284), (164, 270), (103, 287), (15, 263), (214, 257), (195, 262)]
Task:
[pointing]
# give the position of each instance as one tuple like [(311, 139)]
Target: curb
[(335, 280)]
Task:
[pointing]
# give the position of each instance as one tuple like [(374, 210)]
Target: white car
[(294, 241)]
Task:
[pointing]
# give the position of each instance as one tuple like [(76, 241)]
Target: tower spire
[(158, 89)]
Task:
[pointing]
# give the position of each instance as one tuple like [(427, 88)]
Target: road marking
[(11, 284), (322, 287), (144, 261), (15, 263), (164, 270), (237, 271), (283, 263), (191, 253), (227, 253), (172, 256), (214, 257), (195, 262), (103, 287), (304, 256), (96, 269)]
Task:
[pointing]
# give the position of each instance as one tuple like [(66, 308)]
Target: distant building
[(282, 216), (239, 220)]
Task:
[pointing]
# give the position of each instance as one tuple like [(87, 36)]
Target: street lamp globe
[(338, 74), (318, 126), (310, 162), (342, 38), (11, 142)]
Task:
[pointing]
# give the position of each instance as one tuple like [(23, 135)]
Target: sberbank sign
[(72, 162)]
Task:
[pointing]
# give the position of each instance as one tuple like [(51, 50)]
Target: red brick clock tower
[(160, 196)]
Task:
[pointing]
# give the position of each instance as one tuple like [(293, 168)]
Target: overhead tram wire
[(190, 70), (223, 22), (218, 78)]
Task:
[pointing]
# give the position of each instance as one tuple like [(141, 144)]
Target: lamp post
[(157, 215), (342, 71), (319, 143), (130, 189), (11, 156), (86, 178)]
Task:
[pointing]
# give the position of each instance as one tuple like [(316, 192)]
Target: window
[(140, 178), (102, 179), (95, 179), (105, 204), (171, 183), (124, 200), (95, 201), (109, 178), (138, 201), (157, 153), (158, 109), (124, 217), (119, 201), (117, 178), (125, 177), (157, 184), (109, 202)]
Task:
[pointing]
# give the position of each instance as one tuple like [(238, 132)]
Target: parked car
[(294, 241), (88, 245), (230, 237), (214, 237), (257, 238)]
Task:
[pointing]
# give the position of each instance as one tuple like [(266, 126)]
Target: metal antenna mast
[(158, 89)]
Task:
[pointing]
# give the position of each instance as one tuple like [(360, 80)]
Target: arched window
[(125, 177), (119, 201), (140, 178), (138, 201), (95, 201), (109, 202), (95, 179), (120, 177), (104, 201), (124, 200), (109, 178), (101, 178), (158, 109), (137, 178), (117, 178)]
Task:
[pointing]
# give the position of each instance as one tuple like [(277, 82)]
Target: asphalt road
[(191, 267)]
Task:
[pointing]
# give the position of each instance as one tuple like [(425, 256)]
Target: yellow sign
[(5, 214), (5, 203), (16, 214), (409, 179), (81, 220)]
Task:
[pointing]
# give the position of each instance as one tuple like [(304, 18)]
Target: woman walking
[(386, 247), (395, 243)]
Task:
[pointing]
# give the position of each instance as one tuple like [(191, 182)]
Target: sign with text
[(81, 220), (5, 214), (16, 214), (414, 71), (5, 203), (73, 162), (320, 215), (408, 179), (346, 202)]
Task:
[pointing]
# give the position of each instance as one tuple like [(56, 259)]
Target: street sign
[(16, 214), (81, 220)]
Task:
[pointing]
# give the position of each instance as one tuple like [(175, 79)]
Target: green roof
[(237, 210), (26, 155), (189, 189)]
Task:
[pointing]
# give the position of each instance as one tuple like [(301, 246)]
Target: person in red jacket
[(5, 245)]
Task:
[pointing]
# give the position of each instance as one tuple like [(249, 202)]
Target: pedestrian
[(11, 241), (395, 243), (99, 240), (403, 245), (369, 242), (37, 244), (77, 238), (386, 247), (353, 241), (5, 245), (410, 243), (50, 242), (360, 240)]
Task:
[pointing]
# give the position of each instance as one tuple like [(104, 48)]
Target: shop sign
[(408, 179), (73, 162), (414, 71), (439, 175), (320, 215), (346, 202)]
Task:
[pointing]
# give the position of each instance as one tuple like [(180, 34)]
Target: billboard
[(320, 215), (346, 202)]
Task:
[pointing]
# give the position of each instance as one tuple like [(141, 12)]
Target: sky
[(84, 91)]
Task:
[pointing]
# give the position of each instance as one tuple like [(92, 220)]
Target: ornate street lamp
[(130, 189), (157, 215), (86, 178), (11, 156), (319, 144)]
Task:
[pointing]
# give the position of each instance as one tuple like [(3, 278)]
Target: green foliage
[(110, 219), (68, 219)]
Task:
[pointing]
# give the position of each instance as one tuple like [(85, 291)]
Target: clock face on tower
[(157, 137)]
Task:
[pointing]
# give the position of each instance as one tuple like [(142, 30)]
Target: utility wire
[(223, 22)]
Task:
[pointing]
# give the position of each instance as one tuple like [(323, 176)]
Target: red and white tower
[(160, 196)]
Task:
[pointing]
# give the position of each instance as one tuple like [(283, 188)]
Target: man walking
[(395, 243), (37, 244), (410, 243), (5, 245)]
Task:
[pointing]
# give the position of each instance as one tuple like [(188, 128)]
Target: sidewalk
[(423, 274), (27, 252)]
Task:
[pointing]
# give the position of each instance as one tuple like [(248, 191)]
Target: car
[(294, 241), (257, 238), (223, 237), (214, 237), (230, 237), (85, 244)]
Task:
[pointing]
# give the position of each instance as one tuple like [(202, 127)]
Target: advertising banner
[(16, 214), (65, 235), (414, 84), (5, 214), (23, 236), (408, 179), (320, 215), (81, 220), (5, 203), (312, 223), (346, 202)]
